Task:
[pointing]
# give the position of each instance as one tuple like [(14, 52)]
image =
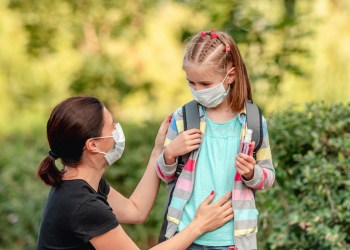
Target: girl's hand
[(245, 164), (185, 142), (163, 129), (212, 216)]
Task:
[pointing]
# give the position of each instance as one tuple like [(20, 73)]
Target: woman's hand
[(212, 216), (185, 142), (163, 129), (245, 164)]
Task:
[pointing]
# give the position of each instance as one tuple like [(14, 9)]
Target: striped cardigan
[(243, 199)]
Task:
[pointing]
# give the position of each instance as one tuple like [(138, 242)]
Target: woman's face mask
[(116, 152), (211, 97)]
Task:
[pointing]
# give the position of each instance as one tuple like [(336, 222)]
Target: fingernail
[(212, 192)]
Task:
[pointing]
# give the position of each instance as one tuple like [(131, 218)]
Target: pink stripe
[(243, 195), (163, 176), (238, 177), (261, 185), (184, 184), (190, 165)]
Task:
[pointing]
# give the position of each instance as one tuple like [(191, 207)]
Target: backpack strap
[(191, 120), (254, 122)]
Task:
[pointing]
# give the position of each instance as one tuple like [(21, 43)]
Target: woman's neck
[(85, 172)]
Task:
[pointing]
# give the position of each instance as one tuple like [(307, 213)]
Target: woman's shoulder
[(75, 193)]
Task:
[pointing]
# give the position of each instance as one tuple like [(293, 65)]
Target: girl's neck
[(87, 173), (221, 113)]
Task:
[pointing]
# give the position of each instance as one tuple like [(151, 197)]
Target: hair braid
[(193, 49), (208, 48)]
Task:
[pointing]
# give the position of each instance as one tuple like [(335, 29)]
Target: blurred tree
[(251, 24), (113, 41)]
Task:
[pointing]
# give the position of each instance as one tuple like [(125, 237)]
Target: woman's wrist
[(196, 228), (156, 151)]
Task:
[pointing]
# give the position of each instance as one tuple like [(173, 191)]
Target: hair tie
[(213, 34), (227, 48), (53, 155)]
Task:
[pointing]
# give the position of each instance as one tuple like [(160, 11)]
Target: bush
[(308, 208)]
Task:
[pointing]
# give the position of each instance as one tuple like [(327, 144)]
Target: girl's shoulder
[(178, 114)]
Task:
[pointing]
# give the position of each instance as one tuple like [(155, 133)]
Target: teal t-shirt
[(215, 170)]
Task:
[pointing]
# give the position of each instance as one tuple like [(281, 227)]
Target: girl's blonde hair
[(219, 48)]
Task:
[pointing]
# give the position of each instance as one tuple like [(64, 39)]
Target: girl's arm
[(259, 174), (136, 209), (208, 217), (177, 143)]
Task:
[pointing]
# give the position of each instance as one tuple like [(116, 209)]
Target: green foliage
[(22, 197), (308, 208), (129, 53)]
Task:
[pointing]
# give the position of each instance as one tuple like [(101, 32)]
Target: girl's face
[(204, 76)]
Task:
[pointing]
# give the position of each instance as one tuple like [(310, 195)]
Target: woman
[(82, 211)]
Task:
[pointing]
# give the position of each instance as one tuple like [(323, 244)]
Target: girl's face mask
[(211, 97), (116, 152)]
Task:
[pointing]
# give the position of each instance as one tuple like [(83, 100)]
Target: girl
[(218, 80), (82, 210)]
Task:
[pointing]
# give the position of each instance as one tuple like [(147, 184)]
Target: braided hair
[(220, 50)]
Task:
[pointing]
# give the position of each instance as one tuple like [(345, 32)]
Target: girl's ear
[(231, 75), (91, 145)]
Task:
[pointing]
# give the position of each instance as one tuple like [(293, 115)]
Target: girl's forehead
[(198, 72)]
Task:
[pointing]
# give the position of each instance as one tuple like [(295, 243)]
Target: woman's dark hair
[(71, 123)]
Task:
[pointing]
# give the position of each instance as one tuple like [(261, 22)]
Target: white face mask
[(116, 152), (211, 97)]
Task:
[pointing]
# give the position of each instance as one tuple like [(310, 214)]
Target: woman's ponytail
[(49, 173), (71, 124)]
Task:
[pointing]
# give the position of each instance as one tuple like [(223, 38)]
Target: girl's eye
[(205, 84)]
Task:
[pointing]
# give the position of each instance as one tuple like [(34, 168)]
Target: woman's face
[(106, 144), (204, 76)]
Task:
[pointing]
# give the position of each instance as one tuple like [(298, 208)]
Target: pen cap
[(248, 136)]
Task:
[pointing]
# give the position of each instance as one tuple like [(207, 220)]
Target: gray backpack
[(191, 120)]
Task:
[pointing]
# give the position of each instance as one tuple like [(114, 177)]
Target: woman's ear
[(231, 75), (91, 145)]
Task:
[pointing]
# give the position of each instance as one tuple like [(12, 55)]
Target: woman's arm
[(136, 209), (208, 217)]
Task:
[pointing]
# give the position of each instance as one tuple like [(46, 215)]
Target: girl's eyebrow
[(205, 82)]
